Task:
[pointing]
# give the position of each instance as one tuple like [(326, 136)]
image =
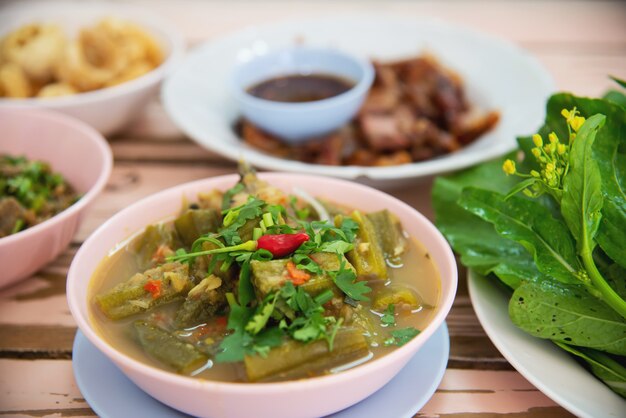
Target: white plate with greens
[(550, 369)]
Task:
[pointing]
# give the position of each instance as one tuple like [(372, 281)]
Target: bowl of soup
[(232, 295), (301, 93)]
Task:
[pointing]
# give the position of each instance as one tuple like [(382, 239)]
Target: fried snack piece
[(89, 62), (13, 81), (110, 53), (35, 49), (135, 44), (130, 73), (56, 90), (44, 64)]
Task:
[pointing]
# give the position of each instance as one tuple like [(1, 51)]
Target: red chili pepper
[(154, 287), (281, 245)]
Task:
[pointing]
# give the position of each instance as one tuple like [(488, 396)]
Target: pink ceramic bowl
[(73, 149), (302, 398)]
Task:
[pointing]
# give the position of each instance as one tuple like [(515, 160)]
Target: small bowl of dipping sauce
[(301, 93)]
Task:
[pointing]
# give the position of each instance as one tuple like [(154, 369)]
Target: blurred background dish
[(514, 84), (301, 93), (100, 63), (72, 149)]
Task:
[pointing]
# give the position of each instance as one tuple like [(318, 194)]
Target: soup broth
[(400, 300)]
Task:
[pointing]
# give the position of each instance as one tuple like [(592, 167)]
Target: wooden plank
[(39, 388), (46, 386)]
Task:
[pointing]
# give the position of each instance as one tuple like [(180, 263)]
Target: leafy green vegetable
[(567, 314), (619, 81), (582, 198), (562, 246), (604, 367), (616, 97), (530, 224), (609, 148), (477, 241)]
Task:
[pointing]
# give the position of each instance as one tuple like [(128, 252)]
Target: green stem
[(246, 246), (608, 294), (267, 219)]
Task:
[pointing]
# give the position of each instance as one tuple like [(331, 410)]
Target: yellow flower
[(577, 122), (537, 140), (566, 114), (509, 167), (536, 152), (549, 168), (549, 148), (561, 149), (534, 173), (553, 138)]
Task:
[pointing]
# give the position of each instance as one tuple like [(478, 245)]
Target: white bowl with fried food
[(101, 63)]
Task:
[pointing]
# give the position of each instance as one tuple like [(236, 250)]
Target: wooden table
[(579, 42)]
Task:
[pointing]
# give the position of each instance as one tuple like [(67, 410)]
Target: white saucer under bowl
[(111, 394)]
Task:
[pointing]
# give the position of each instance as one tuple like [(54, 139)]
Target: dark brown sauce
[(301, 88)]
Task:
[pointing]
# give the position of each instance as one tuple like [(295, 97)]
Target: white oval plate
[(497, 75), (550, 369), (111, 394)]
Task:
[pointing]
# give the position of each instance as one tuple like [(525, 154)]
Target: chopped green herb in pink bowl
[(39, 221), (275, 295)]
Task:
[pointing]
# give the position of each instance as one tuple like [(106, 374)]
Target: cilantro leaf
[(246, 290), (349, 227), (304, 262), (338, 246), (235, 346), (263, 341), (228, 195), (324, 297), (262, 315), (237, 217), (232, 348), (388, 317), (288, 290), (309, 331), (345, 280), (401, 336), (303, 213)]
